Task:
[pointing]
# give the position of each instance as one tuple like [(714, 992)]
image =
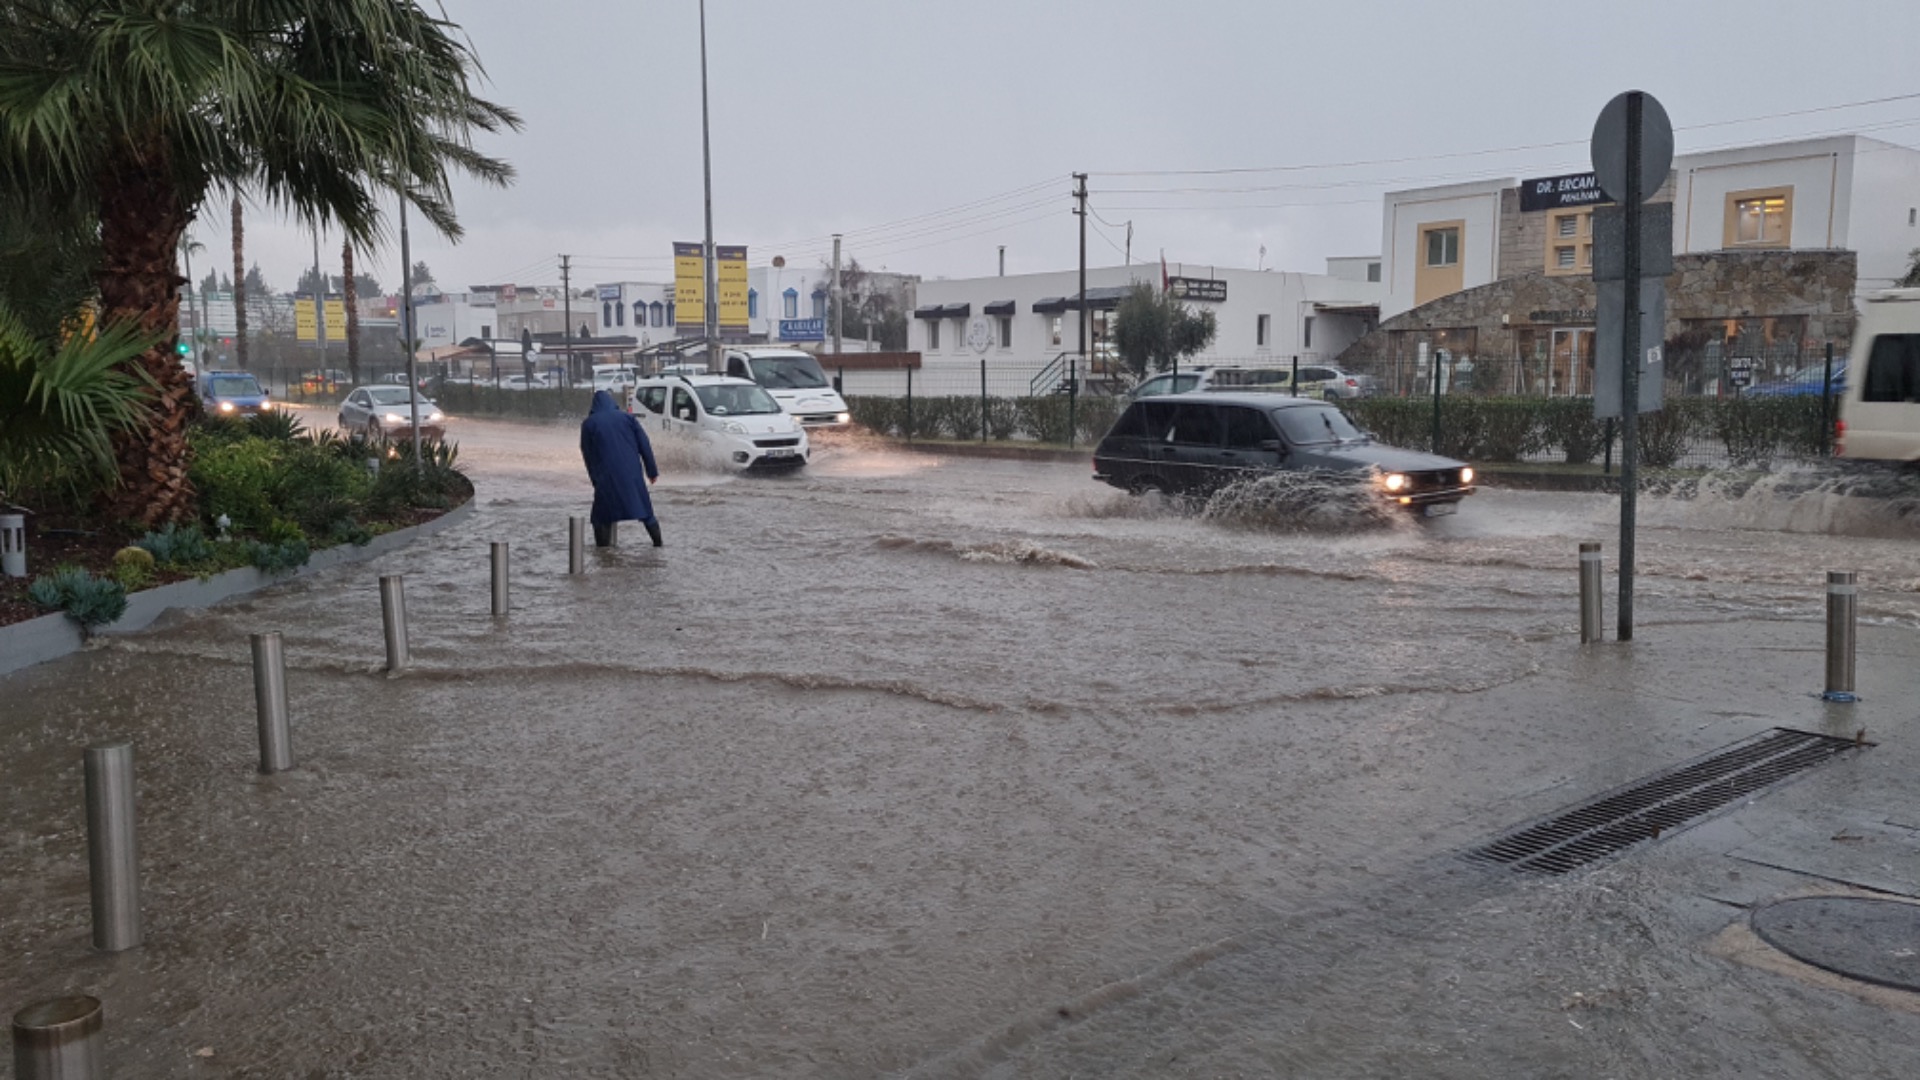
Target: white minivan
[(1880, 412), (734, 419), (795, 380)]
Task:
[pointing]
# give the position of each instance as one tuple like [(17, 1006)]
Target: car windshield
[(233, 386), (392, 395), (788, 372), (736, 400), (1316, 425)]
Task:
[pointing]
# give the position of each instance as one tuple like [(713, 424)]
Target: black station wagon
[(1194, 444)]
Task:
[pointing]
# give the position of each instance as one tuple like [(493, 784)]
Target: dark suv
[(1194, 444)]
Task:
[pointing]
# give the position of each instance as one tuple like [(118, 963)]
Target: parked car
[(614, 378), (742, 423), (387, 411), (397, 378), (1880, 411), (795, 380), (1332, 383), (323, 382), (1807, 380), (1194, 444), (525, 382), (232, 393)]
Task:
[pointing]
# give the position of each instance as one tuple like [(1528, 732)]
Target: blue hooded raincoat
[(615, 449)]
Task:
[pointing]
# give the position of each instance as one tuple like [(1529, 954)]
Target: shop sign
[(1561, 192), (803, 329), (1208, 290), (1568, 315)]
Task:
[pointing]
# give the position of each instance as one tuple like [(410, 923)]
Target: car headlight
[(393, 418), (734, 427), (843, 418), (266, 406), (1466, 475), (226, 406), (436, 415), (1395, 481)]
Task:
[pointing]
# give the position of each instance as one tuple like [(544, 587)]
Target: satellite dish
[(779, 261)]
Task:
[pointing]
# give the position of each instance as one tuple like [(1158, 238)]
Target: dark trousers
[(605, 535)]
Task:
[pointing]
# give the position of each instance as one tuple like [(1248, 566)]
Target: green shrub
[(1666, 435), (876, 414), (1569, 424), (1003, 418), (177, 546), (1406, 422), (1749, 428), (87, 600), (1044, 418), (133, 567), (279, 425), (279, 557), (1095, 415), (1510, 429)]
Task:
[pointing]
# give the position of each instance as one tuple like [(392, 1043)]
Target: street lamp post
[(706, 158)]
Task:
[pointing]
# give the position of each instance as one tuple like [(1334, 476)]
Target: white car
[(383, 411), (741, 424), (522, 382), (795, 380), (614, 378)]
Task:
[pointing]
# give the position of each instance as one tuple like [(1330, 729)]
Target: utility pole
[(836, 292), (1003, 260), (714, 362), (566, 308), (1081, 194), (406, 328)]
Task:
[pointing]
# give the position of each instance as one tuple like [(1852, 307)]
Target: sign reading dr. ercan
[(1560, 192), (1211, 290)]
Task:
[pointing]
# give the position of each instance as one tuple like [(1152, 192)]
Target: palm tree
[(131, 112), (239, 287), (352, 299), (189, 247)]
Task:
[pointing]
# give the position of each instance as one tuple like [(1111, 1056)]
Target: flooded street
[(935, 766)]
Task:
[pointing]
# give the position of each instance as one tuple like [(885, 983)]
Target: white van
[(614, 379), (795, 380), (734, 418), (1880, 412)]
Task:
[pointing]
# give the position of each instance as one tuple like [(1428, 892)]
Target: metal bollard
[(60, 1039), (113, 858), (1592, 597), (499, 578), (270, 702), (576, 545), (1842, 608), (393, 619)]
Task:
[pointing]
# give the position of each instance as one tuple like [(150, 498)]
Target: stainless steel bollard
[(270, 702), (393, 619), (113, 858), (1592, 596), (576, 545), (499, 578), (60, 1039), (1842, 609)]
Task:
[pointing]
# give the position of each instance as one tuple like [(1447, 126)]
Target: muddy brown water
[(927, 766)]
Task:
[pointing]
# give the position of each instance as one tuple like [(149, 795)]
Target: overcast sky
[(930, 133)]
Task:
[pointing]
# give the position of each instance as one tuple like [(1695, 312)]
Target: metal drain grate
[(1667, 801)]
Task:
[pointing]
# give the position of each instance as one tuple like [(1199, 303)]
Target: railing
[(1053, 376)]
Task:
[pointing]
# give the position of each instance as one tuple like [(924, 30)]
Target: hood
[(1383, 457), (763, 423), (602, 402), (819, 397)]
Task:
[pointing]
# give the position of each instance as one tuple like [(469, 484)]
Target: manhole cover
[(1661, 803), (1876, 941)]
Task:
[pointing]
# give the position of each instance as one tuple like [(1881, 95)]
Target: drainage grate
[(1667, 801)]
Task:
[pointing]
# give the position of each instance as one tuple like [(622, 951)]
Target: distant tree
[(328, 283), (868, 312), (422, 275), (1152, 331), (210, 283), (257, 283), (1911, 279), (366, 284)]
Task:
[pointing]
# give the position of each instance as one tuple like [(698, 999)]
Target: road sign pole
[(1630, 370)]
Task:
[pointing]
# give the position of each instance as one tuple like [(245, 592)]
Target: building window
[(1055, 339), (1373, 271), (639, 313), (959, 335), (656, 307), (1306, 333), (486, 333), (933, 335), (1564, 258), (1759, 218), (790, 304), (1261, 327), (1569, 242), (1006, 331), (753, 303), (1443, 247), (819, 305), (1567, 225), (606, 314)]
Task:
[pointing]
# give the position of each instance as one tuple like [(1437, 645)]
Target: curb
[(1003, 451), (49, 637)]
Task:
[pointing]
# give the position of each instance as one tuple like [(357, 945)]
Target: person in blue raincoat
[(615, 450)]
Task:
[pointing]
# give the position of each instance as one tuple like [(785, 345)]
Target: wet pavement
[(932, 766)]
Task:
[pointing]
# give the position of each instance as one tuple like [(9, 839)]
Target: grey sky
[(855, 115)]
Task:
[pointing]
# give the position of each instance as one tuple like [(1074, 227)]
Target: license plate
[(783, 453), (1440, 509)]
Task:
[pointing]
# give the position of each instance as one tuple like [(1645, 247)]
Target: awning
[(931, 311), (1106, 298), (998, 307), (955, 311), (1340, 308), (1050, 305)]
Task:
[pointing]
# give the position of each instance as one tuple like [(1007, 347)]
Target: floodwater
[(926, 766)]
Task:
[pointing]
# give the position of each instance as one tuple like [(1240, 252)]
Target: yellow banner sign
[(731, 283), (689, 286), (303, 321), (336, 320)]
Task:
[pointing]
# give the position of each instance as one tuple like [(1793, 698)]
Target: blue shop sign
[(803, 329)]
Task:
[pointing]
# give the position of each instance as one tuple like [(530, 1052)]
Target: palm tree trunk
[(352, 296), (239, 287), (142, 218)]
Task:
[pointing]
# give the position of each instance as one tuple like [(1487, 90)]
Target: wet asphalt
[(921, 765)]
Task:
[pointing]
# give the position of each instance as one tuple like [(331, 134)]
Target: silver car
[(387, 411), (1333, 384)]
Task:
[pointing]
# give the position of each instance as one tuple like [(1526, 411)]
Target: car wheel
[(1155, 498), (1331, 396)]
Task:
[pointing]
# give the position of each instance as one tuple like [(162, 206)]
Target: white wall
[(1477, 204), (1883, 225), (1352, 267), (1815, 169), (452, 320)]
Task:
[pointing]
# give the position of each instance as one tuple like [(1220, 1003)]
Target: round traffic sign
[(1610, 146)]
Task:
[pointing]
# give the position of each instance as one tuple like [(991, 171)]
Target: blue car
[(232, 393), (1808, 380)]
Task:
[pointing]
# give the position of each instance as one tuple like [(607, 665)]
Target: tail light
[(1839, 438), (1351, 382)]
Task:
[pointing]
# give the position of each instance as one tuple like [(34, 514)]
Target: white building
[(785, 305), (1024, 322), (451, 318)]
